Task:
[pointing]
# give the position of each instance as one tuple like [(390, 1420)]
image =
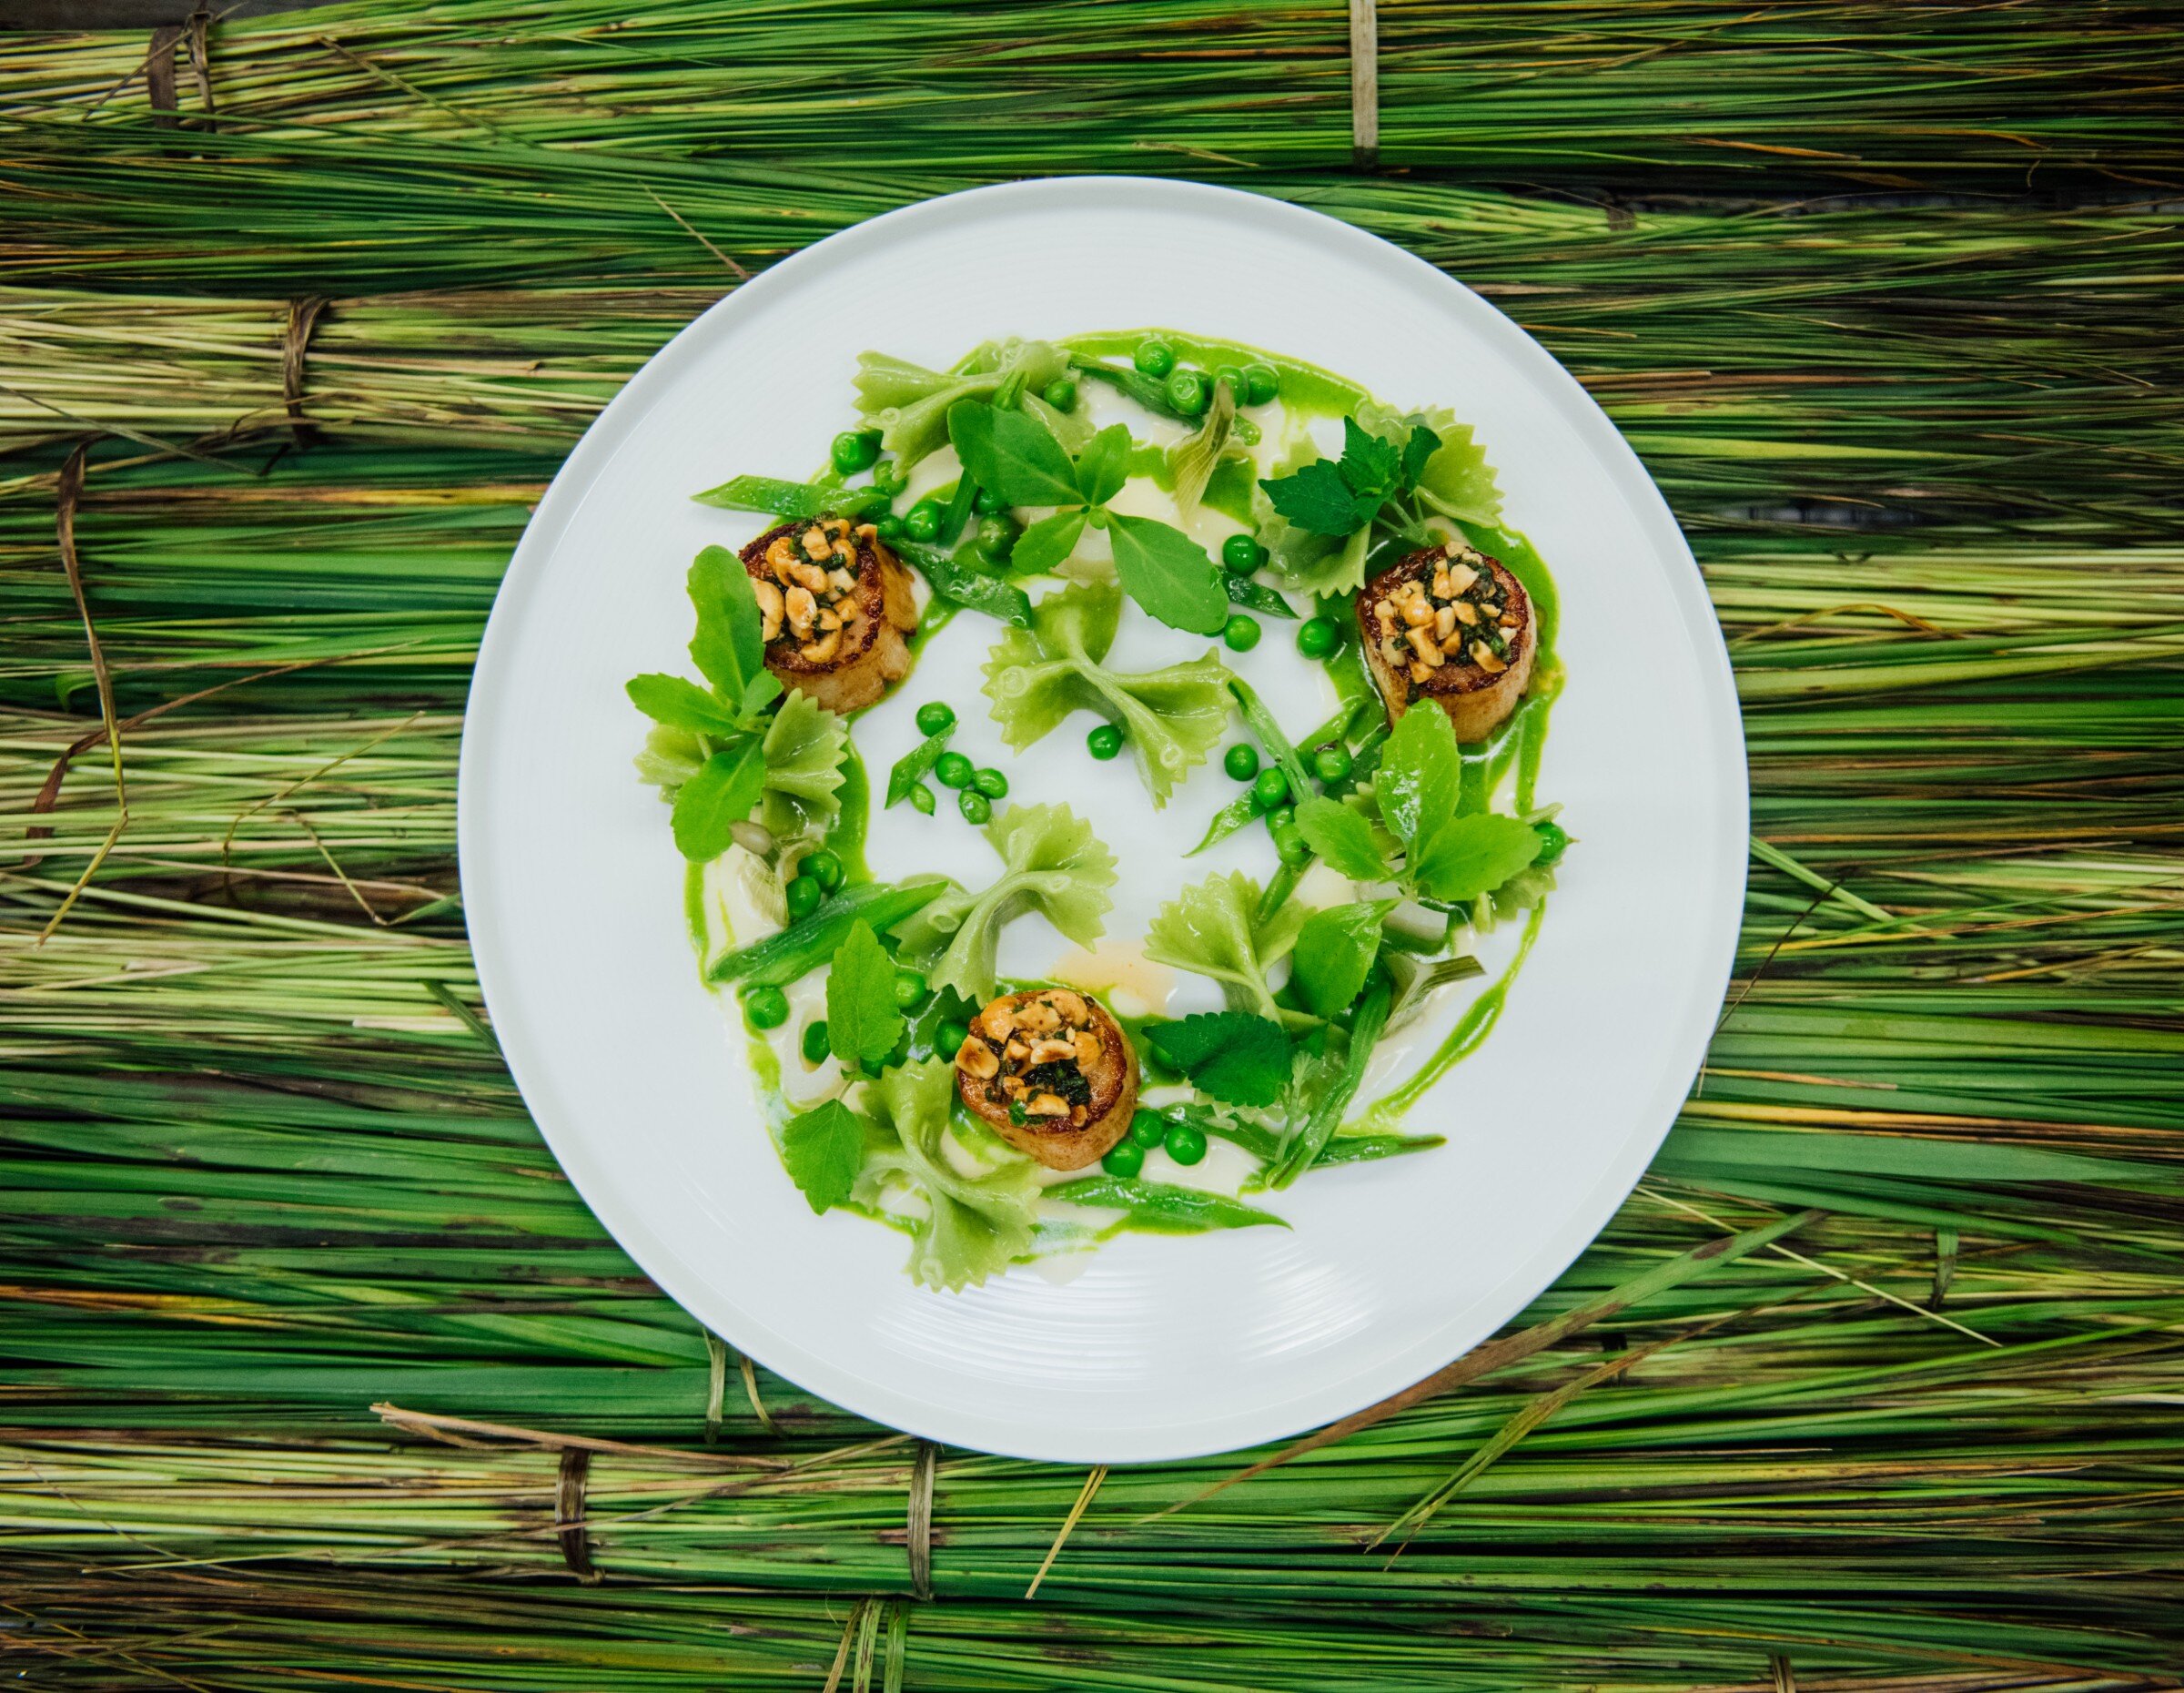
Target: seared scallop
[(1051, 1073), (837, 609), (1452, 627)]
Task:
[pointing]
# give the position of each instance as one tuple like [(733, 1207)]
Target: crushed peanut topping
[(1452, 609), (813, 596), (1031, 1054)]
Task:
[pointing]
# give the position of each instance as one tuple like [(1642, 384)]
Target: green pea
[(1060, 393), (856, 450), (953, 770), (1148, 1128), (996, 534), (1241, 555), (986, 502), (815, 1041), (889, 477), (910, 990), (766, 1007), (1319, 637), (1280, 817), (1331, 764), (922, 524), (824, 867), (949, 1038), (1270, 789), (889, 528), (1185, 1144), (1261, 383), (1241, 761), (1188, 391), (975, 807), (1154, 357), (1240, 634), (1104, 742), (1229, 374), (920, 798), (1126, 1158), (936, 717), (804, 895), (991, 783), (1291, 845)]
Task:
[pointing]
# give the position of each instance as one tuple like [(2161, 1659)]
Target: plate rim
[(867, 1395)]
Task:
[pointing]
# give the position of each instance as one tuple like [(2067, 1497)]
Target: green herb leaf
[(681, 704), (796, 500), (1334, 953), (1168, 574), (823, 1148), (1047, 543), (1342, 838), (1234, 1055), (1417, 452), (910, 404), (1012, 453), (730, 646), (1103, 465), (862, 1021), (1419, 776), (710, 805), (1467, 857), (1318, 499), (915, 766)]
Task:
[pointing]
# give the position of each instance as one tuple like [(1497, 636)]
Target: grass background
[(1887, 298)]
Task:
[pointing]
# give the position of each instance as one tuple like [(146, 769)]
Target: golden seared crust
[(838, 609), (1470, 602), (1013, 1067)]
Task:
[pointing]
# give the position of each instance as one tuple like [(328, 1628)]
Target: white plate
[(1163, 1347)]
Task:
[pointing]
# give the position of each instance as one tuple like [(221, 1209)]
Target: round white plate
[(1163, 1347)]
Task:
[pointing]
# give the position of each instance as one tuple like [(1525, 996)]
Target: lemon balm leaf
[(862, 1021), (729, 646), (1011, 453), (1168, 574), (824, 1149), (1467, 857)]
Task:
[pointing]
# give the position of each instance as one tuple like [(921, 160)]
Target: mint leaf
[(824, 1149), (1317, 498), (680, 704), (1421, 447), (862, 1021), (1235, 1056), (1103, 465), (712, 803), (1047, 543), (1420, 771), (1168, 574), (730, 646), (1370, 465), (1334, 953), (1467, 857), (1011, 453), (915, 766), (1342, 838)]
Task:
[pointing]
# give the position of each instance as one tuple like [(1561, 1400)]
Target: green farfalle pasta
[(804, 746), (908, 404), (1052, 862), (974, 1226), (1171, 718), (1213, 928)]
